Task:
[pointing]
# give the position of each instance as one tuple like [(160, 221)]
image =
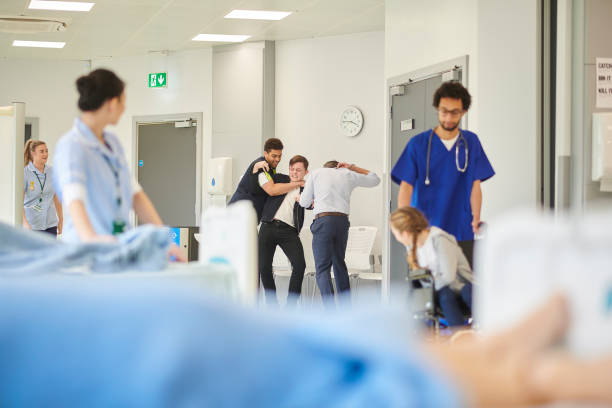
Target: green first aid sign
[(158, 80)]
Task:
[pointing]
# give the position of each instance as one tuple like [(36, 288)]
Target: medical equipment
[(229, 236), (459, 139), (518, 270)]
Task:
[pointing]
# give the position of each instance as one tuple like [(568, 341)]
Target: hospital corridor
[(305, 203)]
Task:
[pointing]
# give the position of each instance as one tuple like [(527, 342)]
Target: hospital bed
[(227, 266)]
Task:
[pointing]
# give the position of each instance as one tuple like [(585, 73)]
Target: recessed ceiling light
[(60, 5), (220, 37), (39, 44), (258, 14)]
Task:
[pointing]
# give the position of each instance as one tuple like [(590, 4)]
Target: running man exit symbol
[(158, 80)]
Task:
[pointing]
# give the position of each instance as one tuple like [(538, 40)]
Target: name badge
[(32, 185)]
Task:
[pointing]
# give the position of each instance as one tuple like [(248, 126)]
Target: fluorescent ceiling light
[(220, 38), (39, 44), (258, 14), (60, 5)]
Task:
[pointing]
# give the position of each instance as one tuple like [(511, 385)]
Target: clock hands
[(350, 121)]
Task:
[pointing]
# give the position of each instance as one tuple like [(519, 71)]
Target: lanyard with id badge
[(38, 207), (118, 224)]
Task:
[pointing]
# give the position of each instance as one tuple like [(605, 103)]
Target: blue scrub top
[(446, 201), (82, 160), (41, 215)]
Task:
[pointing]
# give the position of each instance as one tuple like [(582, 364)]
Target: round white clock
[(351, 121)]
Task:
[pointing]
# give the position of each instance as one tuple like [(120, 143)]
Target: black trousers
[(278, 233)]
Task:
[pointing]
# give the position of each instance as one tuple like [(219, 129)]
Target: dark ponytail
[(98, 87)]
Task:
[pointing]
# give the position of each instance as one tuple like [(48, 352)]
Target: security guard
[(257, 182)]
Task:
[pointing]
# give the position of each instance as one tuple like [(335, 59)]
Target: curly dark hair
[(273, 144), (453, 90)]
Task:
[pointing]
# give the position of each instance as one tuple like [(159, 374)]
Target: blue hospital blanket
[(24, 252), (82, 342)]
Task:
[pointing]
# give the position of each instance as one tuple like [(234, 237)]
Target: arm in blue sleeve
[(484, 170), (406, 167)]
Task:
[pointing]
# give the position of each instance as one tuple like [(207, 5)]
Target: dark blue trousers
[(329, 238), (453, 304)]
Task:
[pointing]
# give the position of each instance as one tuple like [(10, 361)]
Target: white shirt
[(285, 211), (450, 142), (331, 189), (444, 258), (263, 178)]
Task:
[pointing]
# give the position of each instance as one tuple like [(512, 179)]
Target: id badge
[(118, 227), (37, 208)]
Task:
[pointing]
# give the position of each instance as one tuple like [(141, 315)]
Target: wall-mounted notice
[(604, 83)]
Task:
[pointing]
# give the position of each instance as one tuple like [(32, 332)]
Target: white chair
[(280, 264), (358, 256), (282, 267)]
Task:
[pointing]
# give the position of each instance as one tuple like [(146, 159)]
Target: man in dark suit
[(281, 223)]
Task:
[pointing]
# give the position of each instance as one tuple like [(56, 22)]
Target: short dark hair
[(332, 164), (273, 144), (98, 87), (299, 159), (453, 90)]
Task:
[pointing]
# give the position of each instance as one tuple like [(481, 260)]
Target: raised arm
[(275, 189), (307, 196), (365, 177)]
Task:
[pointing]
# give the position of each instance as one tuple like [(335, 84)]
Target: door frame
[(406, 79), (171, 118), (34, 123)]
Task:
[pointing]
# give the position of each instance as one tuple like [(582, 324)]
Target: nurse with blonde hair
[(42, 210)]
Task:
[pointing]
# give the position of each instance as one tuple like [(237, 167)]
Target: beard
[(449, 129)]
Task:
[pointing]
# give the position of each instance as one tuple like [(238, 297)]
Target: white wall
[(189, 89), (238, 105), (47, 88), (508, 68), (315, 80), (423, 33)]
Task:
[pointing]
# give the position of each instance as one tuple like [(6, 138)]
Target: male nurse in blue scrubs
[(441, 169)]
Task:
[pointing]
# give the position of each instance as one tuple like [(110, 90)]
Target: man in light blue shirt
[(330, 189)]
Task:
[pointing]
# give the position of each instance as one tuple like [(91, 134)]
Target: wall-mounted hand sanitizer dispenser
[(219, 180), (220, 176), (602, 150)]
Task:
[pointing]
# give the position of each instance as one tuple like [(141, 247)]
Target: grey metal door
[(415, 109), (167, 170)]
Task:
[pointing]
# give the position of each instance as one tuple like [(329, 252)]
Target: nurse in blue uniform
[(441, 169), (42, 210), (93, 178)]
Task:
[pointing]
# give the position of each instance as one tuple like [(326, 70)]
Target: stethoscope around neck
[(460, 169)]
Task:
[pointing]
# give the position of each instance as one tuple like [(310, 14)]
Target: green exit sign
[(158, 80)]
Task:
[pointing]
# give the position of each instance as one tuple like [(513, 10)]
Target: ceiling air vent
[(30, 25)]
